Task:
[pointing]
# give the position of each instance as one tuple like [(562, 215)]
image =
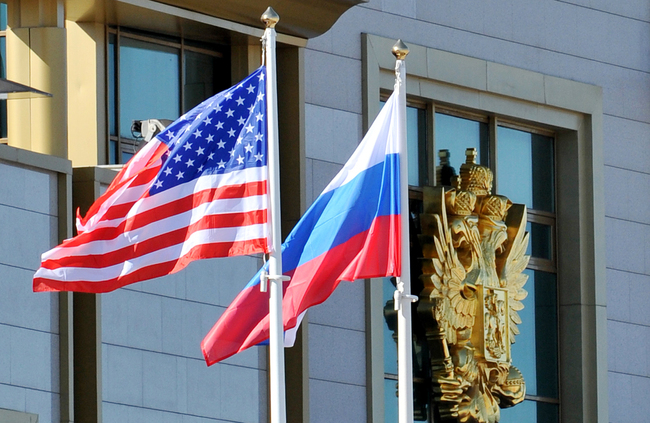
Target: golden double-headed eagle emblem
[(473, 249)]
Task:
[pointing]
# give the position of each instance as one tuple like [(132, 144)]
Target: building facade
[(554, 96)]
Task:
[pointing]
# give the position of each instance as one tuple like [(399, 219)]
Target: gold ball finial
[(400, 50), (270, 17)]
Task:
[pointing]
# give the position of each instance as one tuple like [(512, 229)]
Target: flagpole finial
[(400, 50), (270, 17)]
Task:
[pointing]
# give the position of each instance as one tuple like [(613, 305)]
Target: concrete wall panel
[(335, 402), (337, 354), (29, 322)]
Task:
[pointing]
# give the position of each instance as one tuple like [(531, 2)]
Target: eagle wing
[(445, 276), (513, 262)]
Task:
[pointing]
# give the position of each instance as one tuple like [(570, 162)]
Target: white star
[(258, 157), (189, 163), (232, 152), (170, 134), (240, 86), (230, 112), (241, 121), (240, 160), (210, 156), (221, 164), (177, 158), (187, 146), (217, 108), (200, 151), (239, 139), (207, 120), (248, 148), (258, 137), (180, 175), (249, 128), (228, 95), (200, 169), (250, 88), (260, 97), (221, 144), (261, 76), (219, 125), (210, 138), (259, 116), (240, 101), (197, 133), (250, 109), (158, 184), (168, 171), (231, 132)]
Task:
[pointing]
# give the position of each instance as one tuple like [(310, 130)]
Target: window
[(155, 77), (524, 173), (542, 137)]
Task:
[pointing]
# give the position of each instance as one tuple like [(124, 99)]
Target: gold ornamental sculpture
[(473, 246)]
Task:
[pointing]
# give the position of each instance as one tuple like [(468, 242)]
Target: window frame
[(127, 145), (572, 110)]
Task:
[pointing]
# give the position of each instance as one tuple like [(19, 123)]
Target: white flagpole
[(276, 327), (403, 297)]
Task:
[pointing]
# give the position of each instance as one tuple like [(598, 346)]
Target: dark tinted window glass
[(534, 352), (541, 241), (112, 96), (149, 83), (531, 412), (525, 173), (457, 134)]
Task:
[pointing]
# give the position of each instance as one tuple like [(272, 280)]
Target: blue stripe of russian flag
[(339, 214)]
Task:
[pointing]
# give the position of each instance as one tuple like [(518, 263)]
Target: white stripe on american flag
[(160, 227), (202, 183), (71, 274)]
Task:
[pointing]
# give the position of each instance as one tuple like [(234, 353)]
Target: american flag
[(197, 190)]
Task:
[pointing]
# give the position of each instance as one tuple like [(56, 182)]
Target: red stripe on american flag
[(204, 251), (158, 242)]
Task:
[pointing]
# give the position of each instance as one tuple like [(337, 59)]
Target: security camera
[(149, 128)]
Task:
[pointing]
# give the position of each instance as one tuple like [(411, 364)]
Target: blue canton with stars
[(224, 133)]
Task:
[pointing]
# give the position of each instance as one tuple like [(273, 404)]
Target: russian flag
[(352, 231)]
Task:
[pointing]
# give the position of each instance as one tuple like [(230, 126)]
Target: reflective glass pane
[(456, 135), (3, 16), (541, 241), (530, 412), (149, 82), (112, 152), (546, 334), (390, 401), (112, 112), (525, 173), (390, 346), (534, 352), (199, 78), (416, 145), (524, 355), (3, 57), (416, 142), (514, 159), (126, 156), (543, 173)]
